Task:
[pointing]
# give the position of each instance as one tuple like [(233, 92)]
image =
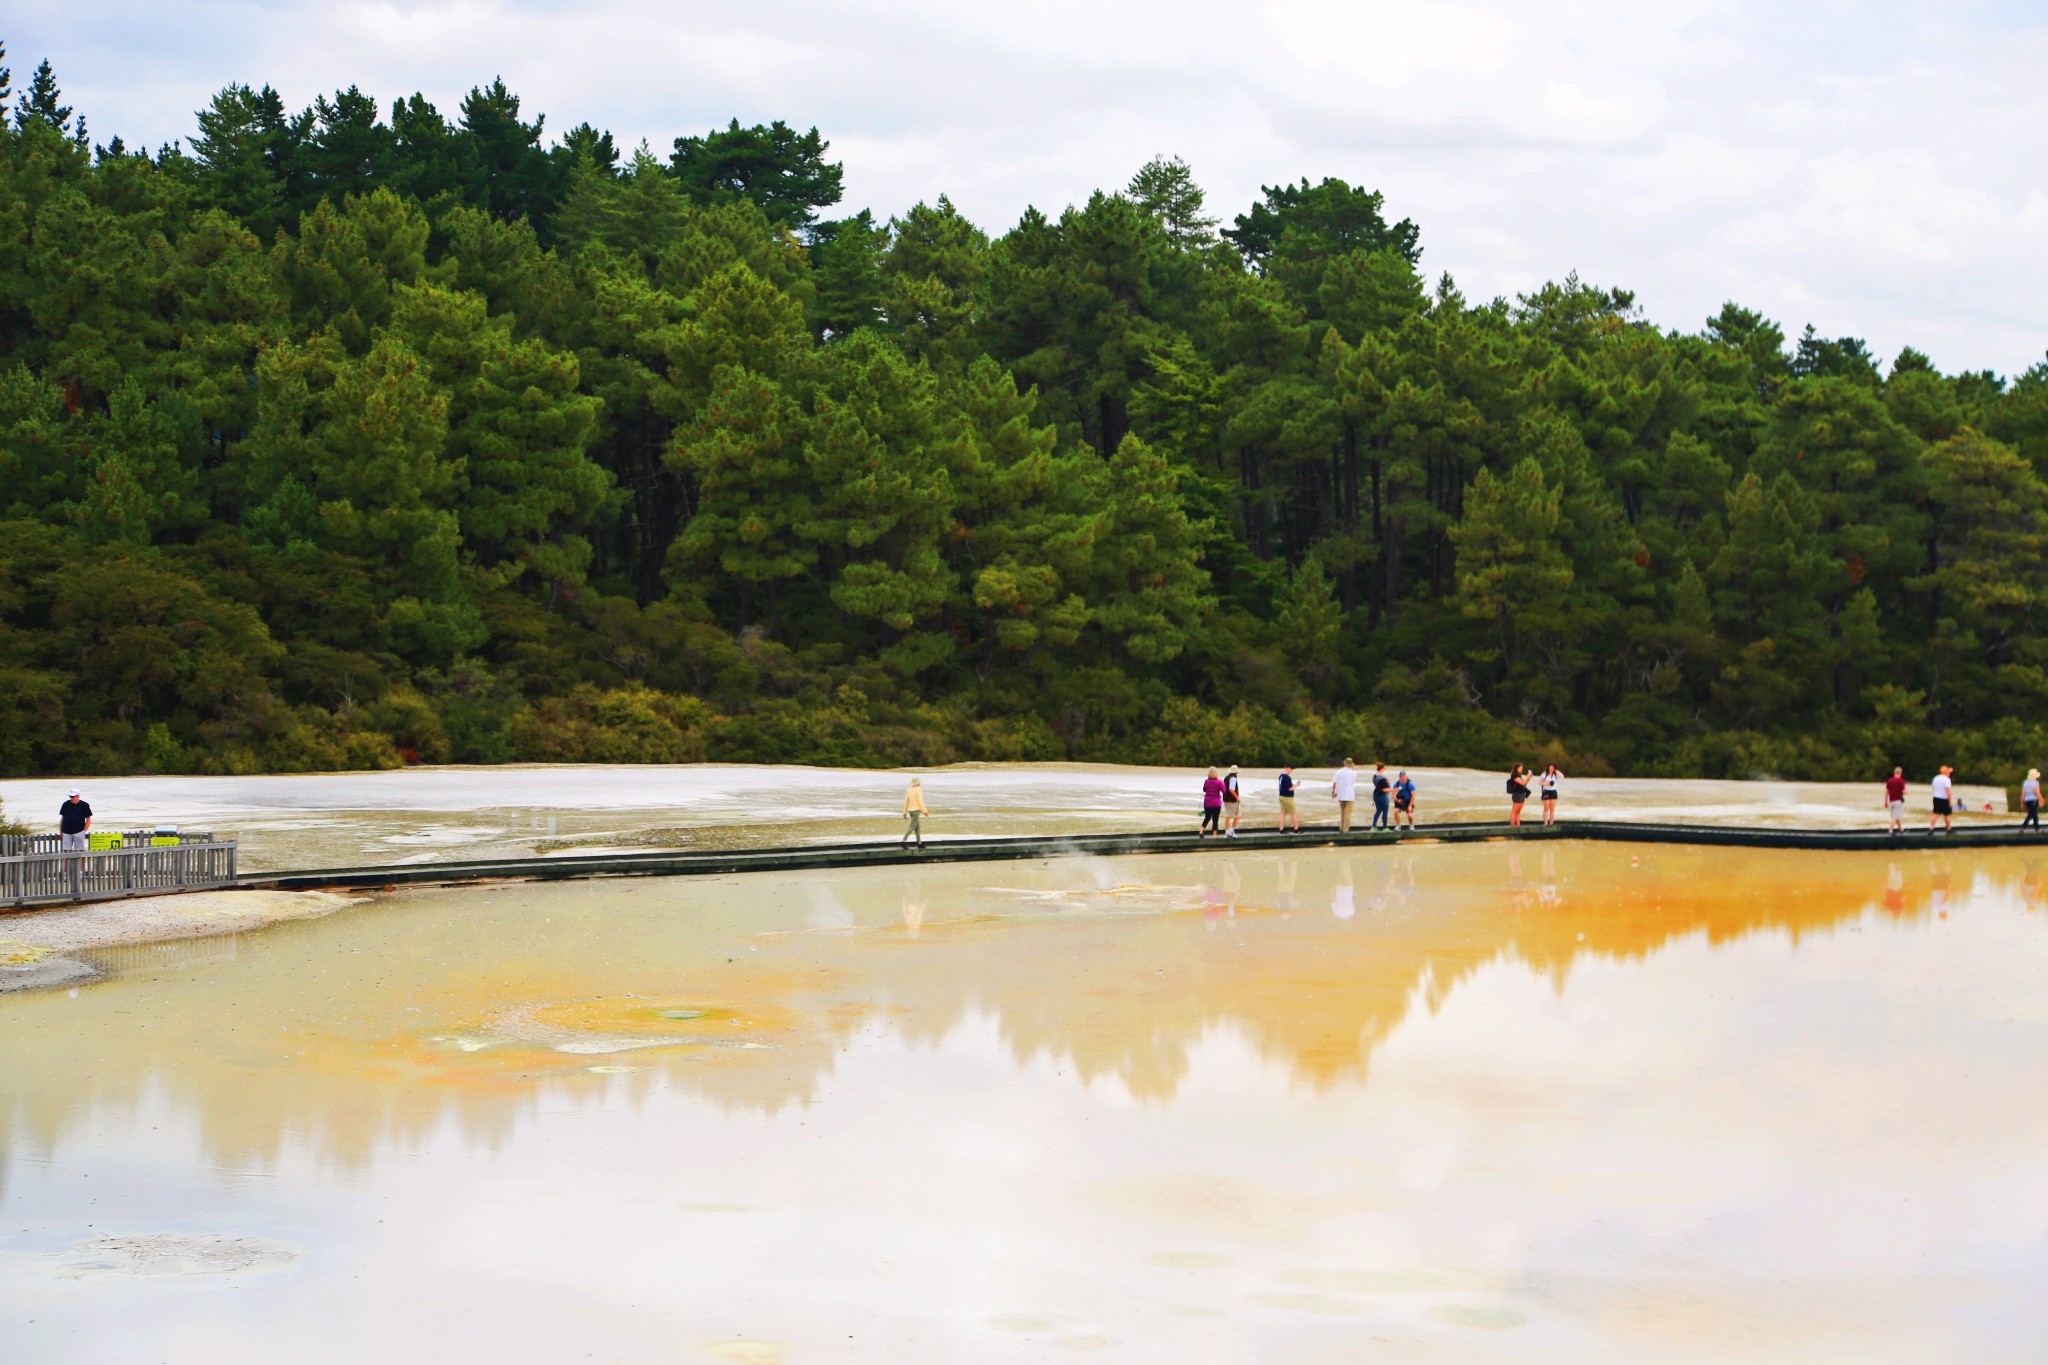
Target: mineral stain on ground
[(1502, 1103)]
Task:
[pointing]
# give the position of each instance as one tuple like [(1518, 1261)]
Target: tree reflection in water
[(373, 1027)]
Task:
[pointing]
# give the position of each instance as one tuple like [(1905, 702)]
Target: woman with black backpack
[(1518, 792)]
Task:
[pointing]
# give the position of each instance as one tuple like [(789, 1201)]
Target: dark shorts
[(1518, 797), (1941, 805)]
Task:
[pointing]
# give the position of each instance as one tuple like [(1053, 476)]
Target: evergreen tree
[(246, 149), (846, 266), (42, 102), (350, 151), (781, 171), (933, 272), (508, 173), (1165, 190)]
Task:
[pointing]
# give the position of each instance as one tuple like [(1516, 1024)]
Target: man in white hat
[(74, 822)]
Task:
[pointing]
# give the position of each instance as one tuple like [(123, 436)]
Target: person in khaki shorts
[(1344, 787), (1288, 815)]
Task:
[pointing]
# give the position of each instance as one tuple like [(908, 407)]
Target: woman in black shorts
[(1518, 792), (1546, 787)]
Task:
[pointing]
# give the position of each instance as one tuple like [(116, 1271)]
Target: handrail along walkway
[(145, 864)]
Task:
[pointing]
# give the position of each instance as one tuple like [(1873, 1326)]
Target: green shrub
[(622, 725), (412, 724), (161, 752), (1014, 739)]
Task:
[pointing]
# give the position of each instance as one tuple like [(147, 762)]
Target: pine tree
[(780, 171), (1164, 188), (1512, 569), (934, 268), (41, 102)]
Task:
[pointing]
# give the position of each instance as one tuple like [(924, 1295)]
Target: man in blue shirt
[(1404, 800), (1287, 810)]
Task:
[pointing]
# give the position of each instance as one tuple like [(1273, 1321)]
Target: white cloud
[(1866, 167)]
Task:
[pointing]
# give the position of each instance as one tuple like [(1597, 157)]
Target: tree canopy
[(358, 432)]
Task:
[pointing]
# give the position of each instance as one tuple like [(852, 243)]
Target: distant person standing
[(1382, 794), (1404, 800), (1233, 803), (914, 812), (1518, 792), (2030, 797), (1546, 787), (1287, 811), (74, 822), (1344, 788), (1943, 789), (1212, 805), (1895, 799)]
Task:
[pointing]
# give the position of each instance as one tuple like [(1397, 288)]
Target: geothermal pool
[(1568, 1103)]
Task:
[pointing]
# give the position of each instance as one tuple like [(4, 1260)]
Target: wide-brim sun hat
[(2033, 774)]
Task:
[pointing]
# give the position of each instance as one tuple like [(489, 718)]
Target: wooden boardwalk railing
[(191, 864)]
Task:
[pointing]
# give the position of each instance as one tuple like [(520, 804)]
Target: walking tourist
[(1382, 793), (1546, 787), (914, 811), (1895, 798), (2030, 797), (1518, 792), (1233, 803), (1404, 800), (1212, 805), (1287, 811), (1344, 787), (1944, 790)]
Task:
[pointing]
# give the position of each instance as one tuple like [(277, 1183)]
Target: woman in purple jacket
[(1212, 804)]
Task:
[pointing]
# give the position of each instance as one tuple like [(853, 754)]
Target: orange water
[(1569, 1103)]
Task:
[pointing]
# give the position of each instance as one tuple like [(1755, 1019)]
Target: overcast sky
[(1875, 168)]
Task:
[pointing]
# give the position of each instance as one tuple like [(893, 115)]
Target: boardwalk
[(817, 857)]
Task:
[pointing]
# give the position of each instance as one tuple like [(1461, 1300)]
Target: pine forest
[(366, 434)]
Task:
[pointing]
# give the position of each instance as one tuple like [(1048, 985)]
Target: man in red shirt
[(1895, 797)]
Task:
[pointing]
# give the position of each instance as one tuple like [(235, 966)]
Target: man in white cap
[(74, 821)]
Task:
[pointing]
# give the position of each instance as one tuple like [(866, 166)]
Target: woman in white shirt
[(2030, 797), (1546, 787)]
